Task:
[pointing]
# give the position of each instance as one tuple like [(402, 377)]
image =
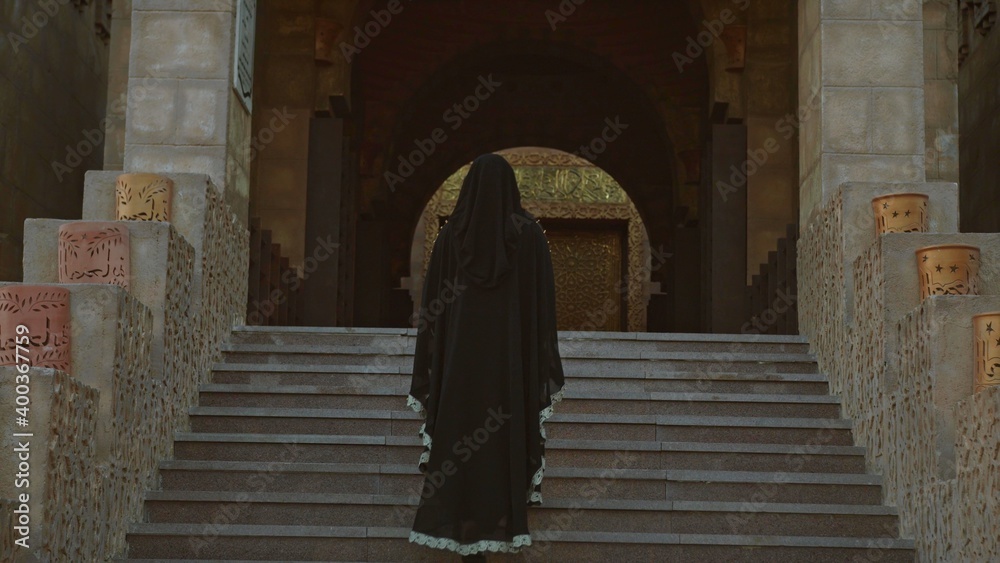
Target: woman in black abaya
[(486, 371)]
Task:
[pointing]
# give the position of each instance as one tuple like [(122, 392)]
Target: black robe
[(486, 370)]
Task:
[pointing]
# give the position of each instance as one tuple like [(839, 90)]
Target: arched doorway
[(600, 247)]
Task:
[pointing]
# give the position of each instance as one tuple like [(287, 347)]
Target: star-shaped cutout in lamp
[(954, 269), (989, 328), (895, 213), (940, 268), (885, 206), (907, 214), (926, 258)]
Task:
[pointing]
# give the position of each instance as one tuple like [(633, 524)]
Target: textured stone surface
[(978, 476), (63, 419), (144, 392), (856, 222), (162, 279), (111, 330), (904, 370), (201, 216)]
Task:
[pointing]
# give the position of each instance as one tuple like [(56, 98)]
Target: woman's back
[(486, 369)]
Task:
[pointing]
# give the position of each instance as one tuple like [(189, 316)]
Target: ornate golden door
[(587, 264)]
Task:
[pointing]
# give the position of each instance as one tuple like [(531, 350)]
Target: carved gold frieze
[(551, 183)]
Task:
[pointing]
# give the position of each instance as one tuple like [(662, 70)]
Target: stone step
[(585, 514), (818, 431), (575, 401), (405, 339), (668, 382), (620, 482), (312, 448), (580, 360), (324, 543)]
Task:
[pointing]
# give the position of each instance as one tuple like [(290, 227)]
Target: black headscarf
[(487, 220)]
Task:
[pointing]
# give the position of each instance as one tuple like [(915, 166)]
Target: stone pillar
[(183, 113), (941, 88), (861, 95)]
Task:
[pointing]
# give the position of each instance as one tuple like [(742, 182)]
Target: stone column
[(183, 113), (941, 88), (861, 95)]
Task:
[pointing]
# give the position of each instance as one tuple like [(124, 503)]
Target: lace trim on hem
[(512, 546), (417, 407), (535, 495)]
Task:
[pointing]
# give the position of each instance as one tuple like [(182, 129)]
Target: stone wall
[(979, 117), (63, 468), (53, 81), (903, 369)]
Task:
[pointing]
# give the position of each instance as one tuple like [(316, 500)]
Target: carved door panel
[(587, 264)]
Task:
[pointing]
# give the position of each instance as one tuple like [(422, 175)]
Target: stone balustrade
[(904, 367), (138, 356)]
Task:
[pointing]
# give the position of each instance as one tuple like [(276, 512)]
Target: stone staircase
[(696, 447)]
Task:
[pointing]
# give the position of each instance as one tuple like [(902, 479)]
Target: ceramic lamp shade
[(986, 336), (901, 213), (91, 252), (143, 197), (43, 314), (948, 270)]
